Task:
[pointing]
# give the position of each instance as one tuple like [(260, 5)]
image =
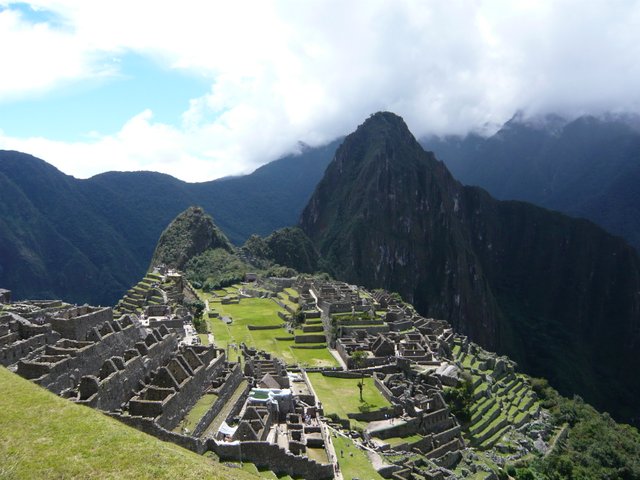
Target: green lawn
[(45, 436), (341, 395), (262, 312), (354, 463)]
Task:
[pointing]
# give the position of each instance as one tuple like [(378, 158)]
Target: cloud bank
[(290, 71)]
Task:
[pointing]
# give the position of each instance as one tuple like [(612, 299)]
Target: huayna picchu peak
[(558, 295)]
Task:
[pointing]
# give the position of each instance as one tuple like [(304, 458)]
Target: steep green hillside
[(194, 244), (288, 246), (51, 241), (583, 444), (89, 240), (44, 436), (559, 295), (189, 234)]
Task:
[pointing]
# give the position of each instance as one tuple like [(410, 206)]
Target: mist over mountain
[(90, 240), (559, 295), (587, 167)]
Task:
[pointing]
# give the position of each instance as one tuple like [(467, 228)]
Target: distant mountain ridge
[(90, 240), (559, 295), (587, 167)]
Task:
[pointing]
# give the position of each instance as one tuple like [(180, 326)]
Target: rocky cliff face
[(587, 167), (559, 295), (188, 235)]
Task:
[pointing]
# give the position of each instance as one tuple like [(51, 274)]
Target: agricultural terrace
[(271, 336), (499, 403)]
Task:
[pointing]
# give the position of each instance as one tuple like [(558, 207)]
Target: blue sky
[(101, 105), (202, 90)]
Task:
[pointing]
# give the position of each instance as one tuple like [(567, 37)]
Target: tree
[(358, 357), (197, 308)]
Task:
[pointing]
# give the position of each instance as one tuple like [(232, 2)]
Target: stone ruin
[(257, 409), (146, 378)]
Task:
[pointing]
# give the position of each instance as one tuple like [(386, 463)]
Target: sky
[(206, 89)]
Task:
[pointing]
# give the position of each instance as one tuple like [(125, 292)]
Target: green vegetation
[(262, 312), (196, 413), (281, 254), (595, 447), (291, 247), (215, 269), (189, 234), (44, 436), (353, 462), (338, 395), (359, 358), (460, 399)]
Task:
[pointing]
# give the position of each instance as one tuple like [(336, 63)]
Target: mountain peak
[(382, 143), (388, 214), (384, 124), (189, 234)]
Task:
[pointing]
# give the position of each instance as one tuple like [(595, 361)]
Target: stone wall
[(386, 393), (427, 423), (370, 329), (311, 314), (175, 407), (10, 354), (63, 371), (118, 387), (266, 455), (224, 395), (376, 415), (148, 426), (75, 323), (20, 338), (310, 338), (235, 411)]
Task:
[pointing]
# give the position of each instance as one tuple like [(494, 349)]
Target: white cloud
[(284, 72)]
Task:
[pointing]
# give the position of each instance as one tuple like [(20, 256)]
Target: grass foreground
[(44, 436)]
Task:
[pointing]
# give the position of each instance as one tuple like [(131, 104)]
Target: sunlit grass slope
[(44, 436)]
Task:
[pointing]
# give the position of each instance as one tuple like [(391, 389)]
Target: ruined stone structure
[(138, 368)]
